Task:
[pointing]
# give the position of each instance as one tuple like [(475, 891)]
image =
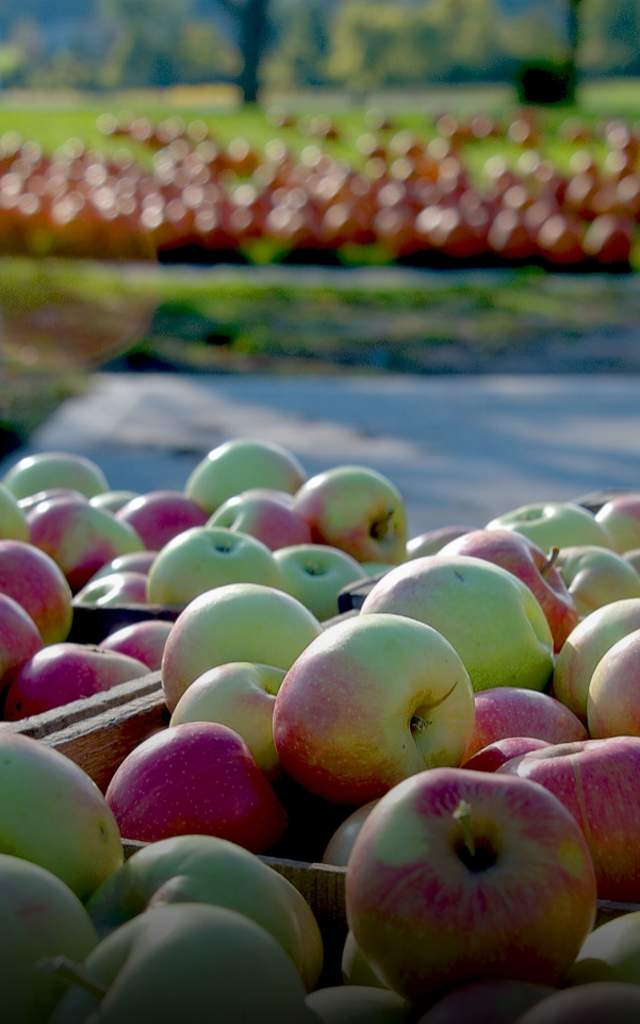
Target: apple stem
[(462, 814), (380, 528), (551, 561), (74, 974)]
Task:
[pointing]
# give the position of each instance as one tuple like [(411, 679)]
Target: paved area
[(461, 449)]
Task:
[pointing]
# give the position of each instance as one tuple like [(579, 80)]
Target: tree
[(252, 17)]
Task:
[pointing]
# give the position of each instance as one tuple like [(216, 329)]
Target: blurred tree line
[(362, 45)]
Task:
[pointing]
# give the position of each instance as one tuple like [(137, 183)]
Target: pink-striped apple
[(520, 556), (555, 525), (240, 465), (267, 519), (196, 779), (144, 641), (34, 580), (491, 757), (613, 706), (13, 523), (509, 711), (315, 574), (488, 616), (597, 577), (357, 510), (596, 781), (451, 853), (621, 519), (117, 589), (19, 638), (432, 542), (370, 702), (47, 470), (159, 516)]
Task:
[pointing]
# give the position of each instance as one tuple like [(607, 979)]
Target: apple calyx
[(74, 974), (380, 528), (554, 554)]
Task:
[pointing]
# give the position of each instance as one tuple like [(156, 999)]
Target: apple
[(206, 557), (520, 556), (240, 622), (555, 525), (19, 638), (138, 562), (34, 580), (372, 701), (241, 696), (267, 519), (633, 558), (588, 1004), (41, 918), (315, 575), (376, 569), (55, 469), (112, 501), (491, 757), (613, 705), (119, 588), (62, 673), (238, 465), (596, 577), (187, 962), (80, 538), (356, 969), (357, 510), (342, 841), (620, 517), (610, 953), (487, 1002), (13, 523), (65, 825), (508, 711), (29, 503), (488, 616), (451, 853), (159, 516), (359, 1004), (586, 645), (432, 542), (596, 781), (145, 641), (197, 778), (204, 869)]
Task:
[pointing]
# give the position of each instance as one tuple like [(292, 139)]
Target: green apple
[(633, 558), (239, 622), (487, 1002), (39, 918), (343, 839), (112, 501), (589, 1003), (242, 465), (52, 814), (356, 969), (241, 696), (188, 962), (315, 575), (13, 522), (204, 869), (555, 525), (48, 470), (206, 557), (610, 953), (597, 576), (358, 1004), (376, 568), (432, 542), (487, 614)]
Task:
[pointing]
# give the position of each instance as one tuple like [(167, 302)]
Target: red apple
[(144, 641), (196, 779), (34, 580), (493, 756), (508, 711), (267, 519), (159, 516), (19, 637)]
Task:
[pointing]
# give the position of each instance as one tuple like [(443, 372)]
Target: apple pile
[(414, 197)]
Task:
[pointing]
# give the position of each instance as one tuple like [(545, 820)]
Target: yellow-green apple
[(34, 580), (584, 648), (200, 779), (488, 615), (509, 711), (188, 962), (610, 953), (588, 1004), (65, 825), (80, 538), (373, 700), (451, 853), (116, 589), (432, 542), (13, 522), (268, 519), (359, 1004), (613, 705), (159, 516), (112, 501), (520, 556), (62, 673), (342, 841), (204, 869), (357, 510), (144, 641), (240, 622), (491, 757), (19, 638), (30, 502), (596, 781), (371, 569), (242, 696), (138, 561), (39, 918), (555, 525), (597, 577), (47, 470), (487, 1002), (239, 465), (633, 558), (206, 557), (315, 574), (356, 969), (621, 519)]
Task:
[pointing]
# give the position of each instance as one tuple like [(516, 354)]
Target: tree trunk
[(253, 38)]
